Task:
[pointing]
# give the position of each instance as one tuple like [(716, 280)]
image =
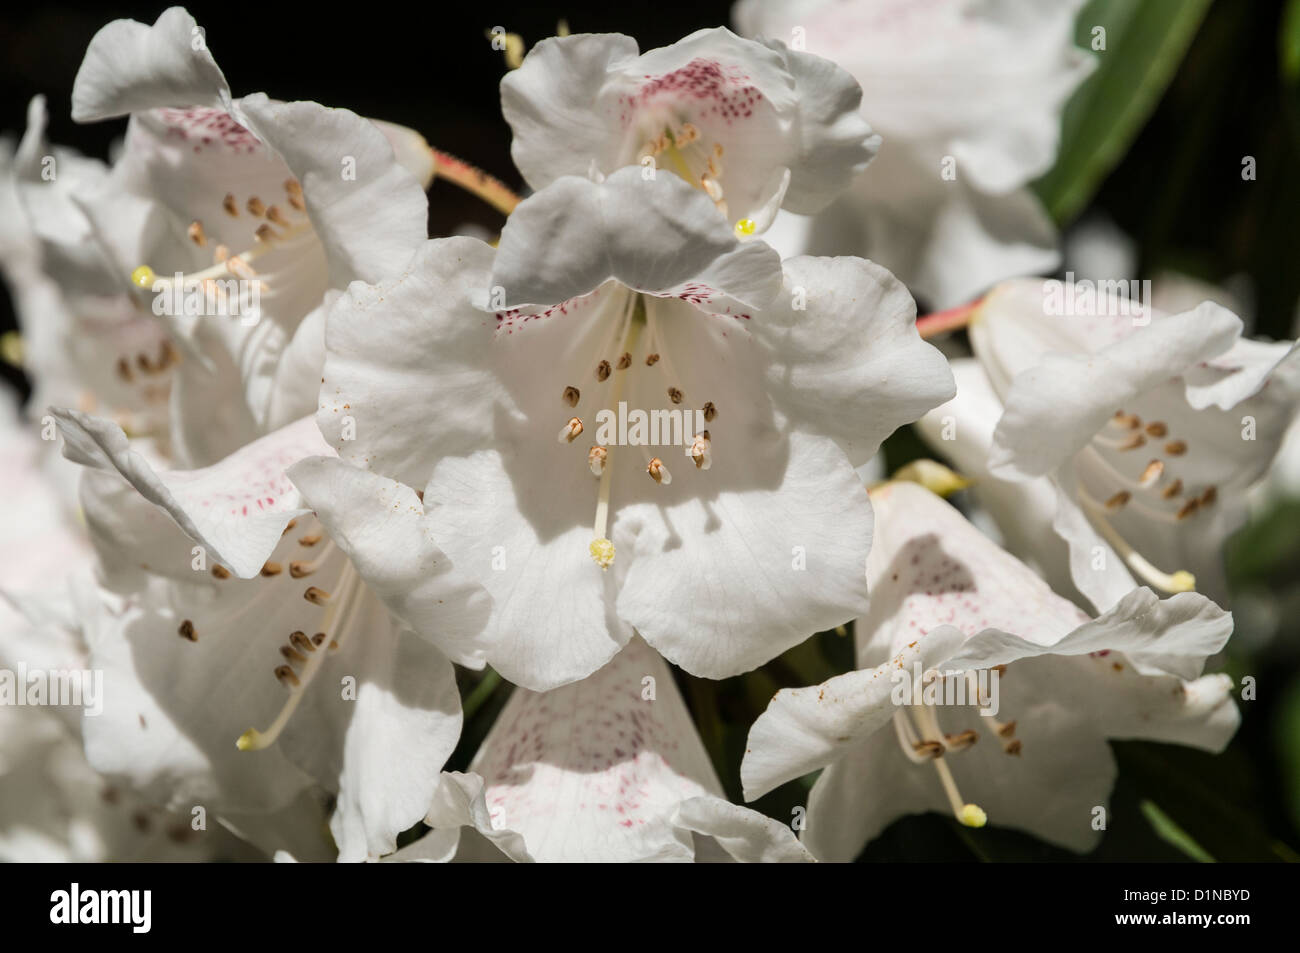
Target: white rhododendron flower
[(967, 97), (363, 706), (756, 126), (1026, 751), (261, 207), (722, 544), (1147, 428), (608, 769)]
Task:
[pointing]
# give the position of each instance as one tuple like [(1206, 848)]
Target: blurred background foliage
[(1154, 142)]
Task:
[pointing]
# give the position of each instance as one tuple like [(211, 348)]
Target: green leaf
[(1145, 41), (1171, 833)]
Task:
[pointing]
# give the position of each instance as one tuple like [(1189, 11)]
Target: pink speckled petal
[(237, 508), (595, 771)]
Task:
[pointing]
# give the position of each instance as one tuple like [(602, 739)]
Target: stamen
[(602, 371), (700, 451), (675, 395), (1126, 421), (1116, 502), (1172, 489), (1209, 496), (601, 548), (572, 395), (309, 541), (710, 412), (1176, 448), (1157, 429), (300, 641), (625, 361), (1188, 508), (316, 596), (195, 232), (255, 207), (221, 572), (272, 569), (658, 472), (1155, 469), (570, 431), (651, 360), (970, 815), (597, 459), (230, 205), (345, 607), (1180, 581), (186, 631)]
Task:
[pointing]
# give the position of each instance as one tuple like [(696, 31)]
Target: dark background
[(1177, 191)]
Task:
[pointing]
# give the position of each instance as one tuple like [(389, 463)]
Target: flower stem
[(481, 692), (932, 325), (473, 180)]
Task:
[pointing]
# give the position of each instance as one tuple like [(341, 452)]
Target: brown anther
[(1209, 496), (230, 205), (1157, 428), (625, 361), (1152, 473), (1127, 421), (1188, 508), (710, 412), (289, 527), (291, 187), (297, 202), (658, 472), (1172, 490), (571, 430), (255, 207), (1176, 448), (124, 369), (300, 641), (292, 655), (961, 740), (596, 459), (272, 569), (195, 232), (264, 233), (651, 360), (1132, 442), (299, 569), (318, 639), (221, 572), (316, 596), (572, 395), (1117, 501), (186, 631), (602, 371), (273, 214), (1013, 747), (675, 395), (932, 749), (287, 676), (311, 540), (1007, 730)]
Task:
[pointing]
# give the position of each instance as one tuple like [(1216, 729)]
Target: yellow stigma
[(972, 815), (935, 477), (602, 551), (1182, 581), (11, 348), (745, 227), (248, 740), (143, 277)]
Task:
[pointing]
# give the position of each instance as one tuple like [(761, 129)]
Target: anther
[(1188, 508), (273, 214), (625, 361), (1209, 496), (1127, 421), (675, 395), (710, 412), (221, 572), (651, 360), (1172, 490), (300, 641), (311, 540), (291, 654), (1116, 502), (255, 207), (1132, 442), (230, 205), (299, 569), (1176, 448), (264, 233), (272, 569), (1157, 428), (1152, 473), (929, 749), (570, 431), (597, 459), (316, 596), (961, 740), (124, 369), (658, 472), (699, 451), (572, 396), (186, 631), (287, 676), (195, 232), (602, 371)]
